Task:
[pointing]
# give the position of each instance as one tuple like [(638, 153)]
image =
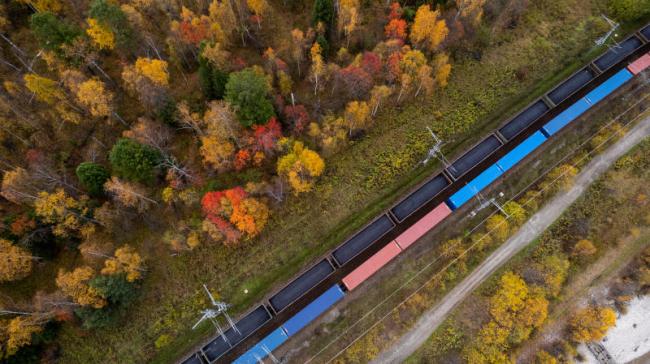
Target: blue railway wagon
[(609, 86), (521, 151), (615, 55), (246, 326), (573, 84), (525, 118), (259, 351), (363, 239), (301, 285), (421, 196), (474, 156), (565, 117), (476, 185), (313, 310)]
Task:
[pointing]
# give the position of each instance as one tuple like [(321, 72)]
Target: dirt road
[(414, 338)]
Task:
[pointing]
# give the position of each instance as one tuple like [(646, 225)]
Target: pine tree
[(323, 12)]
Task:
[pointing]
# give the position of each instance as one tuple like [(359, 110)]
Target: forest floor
[(428, 324)]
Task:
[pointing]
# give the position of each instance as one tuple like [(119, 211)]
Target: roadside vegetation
[(151, 146)]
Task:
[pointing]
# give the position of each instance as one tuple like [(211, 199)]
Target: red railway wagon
[(423, 226), (370, 266), (639, 65)]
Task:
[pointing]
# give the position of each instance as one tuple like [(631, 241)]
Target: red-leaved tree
[(195, 32), (371, 64), (265, 137), (298, 118), (356, 80)]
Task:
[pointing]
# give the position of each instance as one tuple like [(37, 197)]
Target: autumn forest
[(147, 146)]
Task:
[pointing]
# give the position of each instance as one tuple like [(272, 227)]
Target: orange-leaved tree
[(233, 214), (583, 248)]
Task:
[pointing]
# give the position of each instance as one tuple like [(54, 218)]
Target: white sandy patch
[(587, 355), (625, 342)]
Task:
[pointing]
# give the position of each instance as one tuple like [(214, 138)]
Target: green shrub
[(119, 293), (246, 91), (93, 176), (134, 161), (166, 111)]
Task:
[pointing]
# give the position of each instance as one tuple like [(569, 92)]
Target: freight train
[(407, 221)]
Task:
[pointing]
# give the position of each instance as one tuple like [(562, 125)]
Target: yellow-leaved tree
[(95, 97), (18, 186), (15, 261), (217, 152), (591, 323), (470, 9), (126, 260), (76, 284), (357, 115), (411, 70), (50, 6), (544, 357), (148, 78), (153, 69), (259, 7), (442, 69), (101, 33), (514, 306), (377, 96), (330, 134), (498, 227), (561, 178), (65, 213), (300, 167), (44, 89), (348, 18), (218, 57), (318, 69), (428, 29), (18, 332)]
